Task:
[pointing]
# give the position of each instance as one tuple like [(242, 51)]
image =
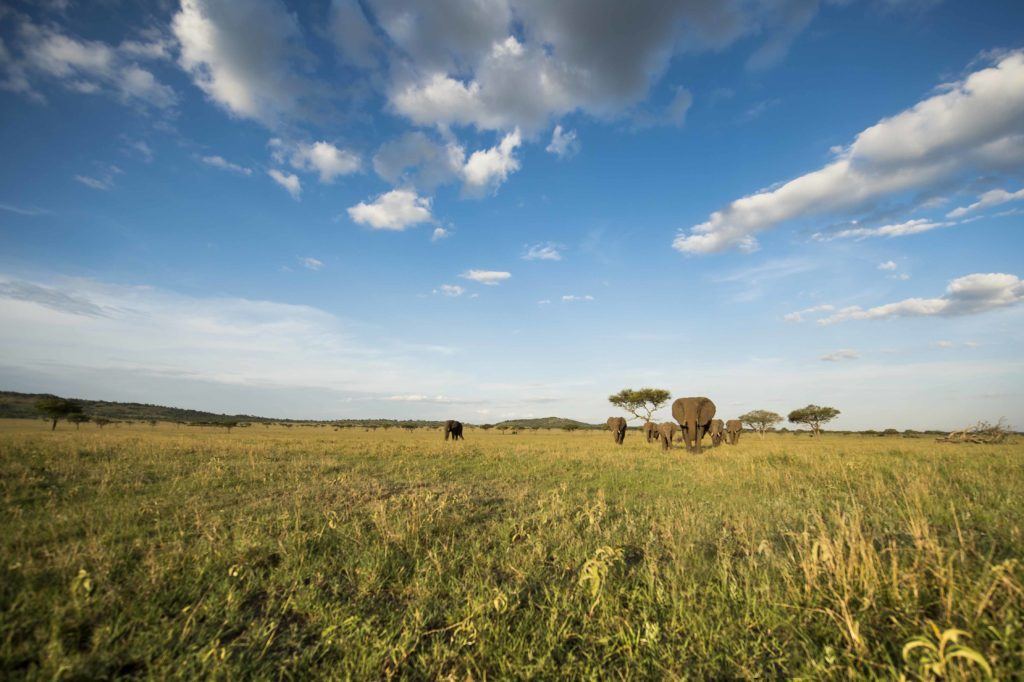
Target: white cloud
[(491, 167), (798, 316), (95, 183), (311, 263), (564, 143), (488, 277), (439, 233), (840, 355), (241, 54), (24, 210), (84, 66), (976, 125), (419, 398), (289, 181), (394, 210), (909, 227), (993, 197), (224, 164), (169, 339), (102, 180), (451, 290), (902, 276), (945, 344), (598, 56), (888, 265), (966, 295), (546, 301), (544, 251), (319, 157), (417, 160), (572, 298)]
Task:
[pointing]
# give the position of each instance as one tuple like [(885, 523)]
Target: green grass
[(306, 552)]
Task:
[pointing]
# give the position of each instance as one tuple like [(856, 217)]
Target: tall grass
[(307, 552)]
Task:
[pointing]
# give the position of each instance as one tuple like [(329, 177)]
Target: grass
[(175, 552)]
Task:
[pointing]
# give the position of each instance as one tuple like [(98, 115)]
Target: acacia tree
[(56, 408), (100, 421), (760, 420), (78, 419), (814, 416), (642, 403)]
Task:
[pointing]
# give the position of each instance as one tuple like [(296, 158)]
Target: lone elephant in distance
[(694, 416), (617, 425), (454, 429), (717, 431), (733, 429), (666, 432), (650, 430)]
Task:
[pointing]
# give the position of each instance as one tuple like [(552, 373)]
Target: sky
[(487, 209)]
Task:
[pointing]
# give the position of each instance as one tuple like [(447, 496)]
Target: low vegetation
[(321, 553)]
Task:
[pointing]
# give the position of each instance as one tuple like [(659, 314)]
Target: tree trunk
[(53, 427)]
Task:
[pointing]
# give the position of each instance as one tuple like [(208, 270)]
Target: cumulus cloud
[(572, 298), (968, 295), (394, 210), (490, 167), (243, 56), (416, 159), (798, 315), (991, 198), (888, 265), (84, 66), (311, 263), (488, 277), (439, 233), (543, 251), (289, 181), (223, 164), (597, 56), (564, 143), (840, 355), (451, 290), (974, 125), (319, 157)]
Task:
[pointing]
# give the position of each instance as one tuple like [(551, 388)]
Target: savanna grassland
[(175, 552)]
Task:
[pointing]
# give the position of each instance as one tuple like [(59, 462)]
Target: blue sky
[(509, 208)]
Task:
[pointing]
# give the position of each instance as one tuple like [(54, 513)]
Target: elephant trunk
[(691, 425)]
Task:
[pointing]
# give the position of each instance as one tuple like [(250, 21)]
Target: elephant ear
[(706, 412)]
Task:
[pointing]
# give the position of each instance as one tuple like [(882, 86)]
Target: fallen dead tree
[(983, 432)]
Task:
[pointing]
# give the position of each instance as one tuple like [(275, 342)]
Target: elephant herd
[(696, 420)]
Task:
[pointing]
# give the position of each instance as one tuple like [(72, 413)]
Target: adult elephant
[(694, 416), (454, 429), (617, 425), (717, 432), (733, 429), (650, 430), (666, 432)]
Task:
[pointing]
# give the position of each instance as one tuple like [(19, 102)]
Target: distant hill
[(22, 406), (15, 405), (547, 423)]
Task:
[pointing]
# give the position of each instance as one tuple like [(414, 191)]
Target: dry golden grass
[(307, 552)]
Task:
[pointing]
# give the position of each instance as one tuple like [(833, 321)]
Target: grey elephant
[(617, 425), (650, 430), (454, 429), (694, 416), (733, 429), (717, 432), (666, 432)]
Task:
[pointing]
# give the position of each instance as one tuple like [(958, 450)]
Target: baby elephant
[(650, 430), (666, 432), (733, 428), (717, 431)]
